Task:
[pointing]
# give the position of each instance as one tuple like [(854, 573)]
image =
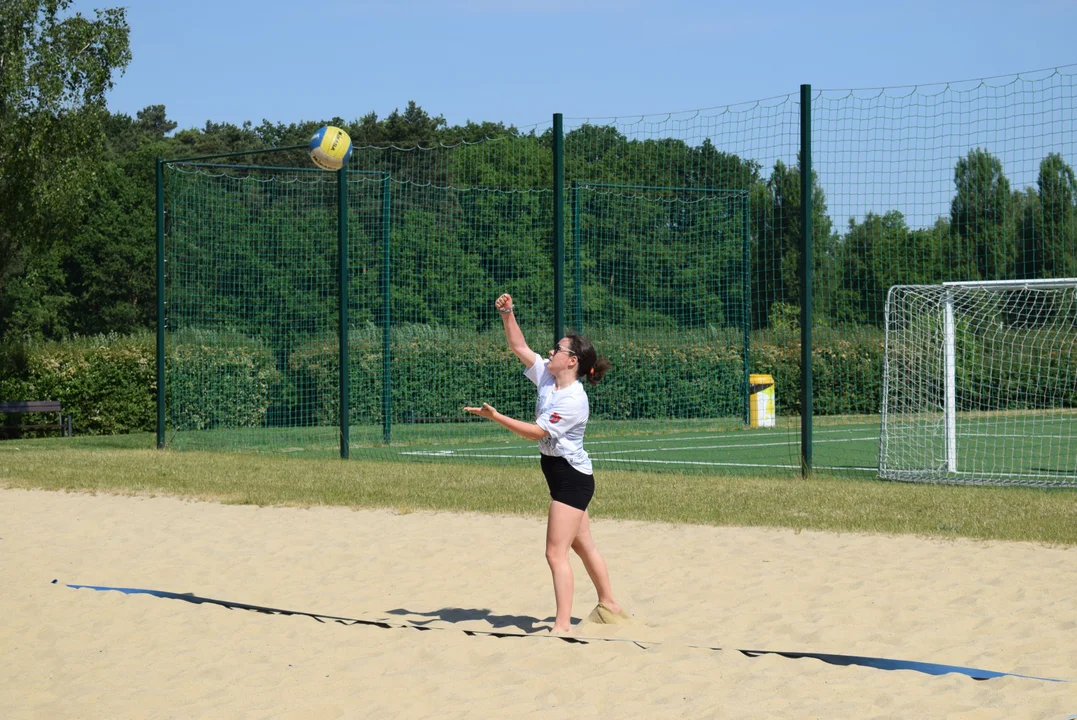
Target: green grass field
[(852, 447), (990, 445), (836, 502), (847, 444)]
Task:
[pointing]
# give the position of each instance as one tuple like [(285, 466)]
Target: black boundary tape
[(832, 659)]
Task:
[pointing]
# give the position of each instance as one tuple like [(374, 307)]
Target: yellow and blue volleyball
[(330, 148)]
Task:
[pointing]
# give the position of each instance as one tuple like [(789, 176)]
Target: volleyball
[(330, 148)]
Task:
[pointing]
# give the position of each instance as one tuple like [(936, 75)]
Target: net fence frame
[(736, 199), (875, 146)]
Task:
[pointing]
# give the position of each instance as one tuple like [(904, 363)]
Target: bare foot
[(560, 631)]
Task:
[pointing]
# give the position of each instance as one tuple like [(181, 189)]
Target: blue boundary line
[(830, 658)]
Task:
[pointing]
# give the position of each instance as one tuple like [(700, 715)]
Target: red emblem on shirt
[(554, 417)]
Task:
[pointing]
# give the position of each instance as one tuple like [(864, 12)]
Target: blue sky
[(519, 61)]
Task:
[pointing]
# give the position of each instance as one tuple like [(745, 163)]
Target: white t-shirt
[(562, 414)]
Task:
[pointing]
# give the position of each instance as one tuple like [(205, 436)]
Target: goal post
[(950, 356), (980, 383)]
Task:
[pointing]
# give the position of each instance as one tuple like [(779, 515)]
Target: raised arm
[(513, 334)]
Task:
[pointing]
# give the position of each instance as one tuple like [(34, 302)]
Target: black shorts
[(567, 484)]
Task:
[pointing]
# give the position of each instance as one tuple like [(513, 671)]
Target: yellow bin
[(761, 401)]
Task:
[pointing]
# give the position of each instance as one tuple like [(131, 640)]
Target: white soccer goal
[(980, 383)]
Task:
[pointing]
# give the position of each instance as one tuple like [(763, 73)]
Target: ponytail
[(591, 366)]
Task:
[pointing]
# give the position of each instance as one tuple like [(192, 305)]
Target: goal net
[(980, 383)]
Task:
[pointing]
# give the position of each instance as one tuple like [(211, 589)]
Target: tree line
[(77, 199)]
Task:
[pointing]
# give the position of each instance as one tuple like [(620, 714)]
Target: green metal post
[(746, 317), (558, 228), (386, 349), (342, 263), (576, 238), (805, 282), (160, 304)]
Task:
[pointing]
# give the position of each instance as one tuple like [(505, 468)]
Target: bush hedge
[(219, 379), (223, 379), (106, 383)]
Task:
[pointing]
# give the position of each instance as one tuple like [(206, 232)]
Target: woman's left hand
[(486, 411)]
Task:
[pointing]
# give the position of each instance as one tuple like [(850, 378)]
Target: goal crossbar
[(1047, 284)]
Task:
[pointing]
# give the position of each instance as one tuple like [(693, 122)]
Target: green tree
[(881, 252), (414, 125), (216, 138), (1028, 218), (982, 218), (126, 135), (776, 243), (115, 241), (72, 287), (54, 71), (1054, 249)]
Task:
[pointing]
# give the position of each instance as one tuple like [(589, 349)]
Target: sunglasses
[(557, 348)]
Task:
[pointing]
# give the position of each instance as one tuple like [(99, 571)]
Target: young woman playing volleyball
[(560, 420)]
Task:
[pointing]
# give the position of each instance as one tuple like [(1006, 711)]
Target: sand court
[(80, 653)]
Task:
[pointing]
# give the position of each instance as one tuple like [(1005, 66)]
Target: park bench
[(36, 406)]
